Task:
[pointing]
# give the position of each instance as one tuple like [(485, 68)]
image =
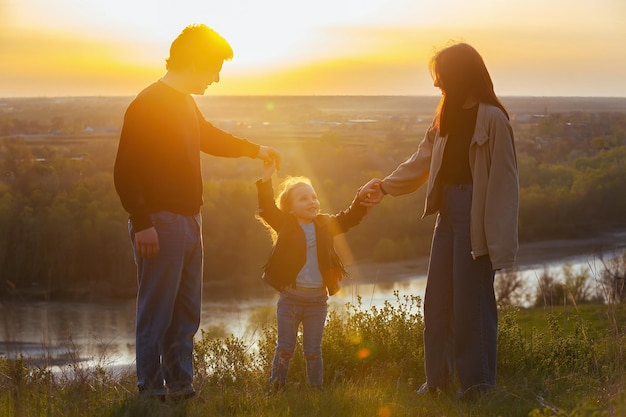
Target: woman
[(467, 161)]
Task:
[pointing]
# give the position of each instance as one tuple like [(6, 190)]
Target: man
[(158, 179)]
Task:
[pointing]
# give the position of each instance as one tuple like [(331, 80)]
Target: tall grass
[(565, 360)]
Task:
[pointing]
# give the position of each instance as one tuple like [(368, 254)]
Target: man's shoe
[(181, 395), (151, 395)]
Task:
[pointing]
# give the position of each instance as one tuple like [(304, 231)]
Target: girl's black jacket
[(289, 252)]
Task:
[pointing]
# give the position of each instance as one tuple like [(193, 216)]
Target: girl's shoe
[(275, 388)]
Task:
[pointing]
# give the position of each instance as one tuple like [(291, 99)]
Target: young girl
[(303, 267)]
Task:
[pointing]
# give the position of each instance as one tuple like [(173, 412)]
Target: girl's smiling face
[(304, 203)]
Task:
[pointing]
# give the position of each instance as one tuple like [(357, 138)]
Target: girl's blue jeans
[(169, 302), (291, 311), (460, 312)]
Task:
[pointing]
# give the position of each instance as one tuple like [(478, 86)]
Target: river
[(57, 333)]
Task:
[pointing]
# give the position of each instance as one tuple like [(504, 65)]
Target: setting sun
[(375, 47)]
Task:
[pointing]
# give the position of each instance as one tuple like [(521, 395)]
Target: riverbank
[(530, 255), (39, 329)]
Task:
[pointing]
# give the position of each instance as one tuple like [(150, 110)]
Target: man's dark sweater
[(158, 160)]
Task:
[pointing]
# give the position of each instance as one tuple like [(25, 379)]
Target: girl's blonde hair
[(283, 198), (285, 189)]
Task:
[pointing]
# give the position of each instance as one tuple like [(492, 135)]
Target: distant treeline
[(63, 231)]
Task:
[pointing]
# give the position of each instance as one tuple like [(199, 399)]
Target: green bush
[(564, 362)]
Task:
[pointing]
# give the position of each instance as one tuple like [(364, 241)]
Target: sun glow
[(90, 47)]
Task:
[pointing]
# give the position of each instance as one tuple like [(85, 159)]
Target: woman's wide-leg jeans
[(460, 312)]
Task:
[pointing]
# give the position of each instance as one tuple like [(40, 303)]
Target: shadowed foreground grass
[(556, 361)]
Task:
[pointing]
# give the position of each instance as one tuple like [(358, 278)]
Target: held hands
[(371, 193), (269, 154)]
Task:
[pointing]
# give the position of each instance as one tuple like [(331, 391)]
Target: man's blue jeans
[(291, 311), (169, 302), (460, 312)]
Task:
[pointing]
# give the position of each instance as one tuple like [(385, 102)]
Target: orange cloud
[(38, 64)]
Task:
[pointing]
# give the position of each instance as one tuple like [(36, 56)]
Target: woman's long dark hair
[(460, 72)]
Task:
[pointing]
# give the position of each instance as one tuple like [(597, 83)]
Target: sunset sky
[(323, 47)]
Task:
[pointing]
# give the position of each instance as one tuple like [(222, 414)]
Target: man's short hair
[(200, 47)]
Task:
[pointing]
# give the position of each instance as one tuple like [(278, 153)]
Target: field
[(565, 361), (58, 207)]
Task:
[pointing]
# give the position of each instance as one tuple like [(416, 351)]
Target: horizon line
[(308, 95)]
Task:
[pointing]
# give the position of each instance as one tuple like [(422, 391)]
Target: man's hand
[(147, 243), (371, 193), (269, 155)]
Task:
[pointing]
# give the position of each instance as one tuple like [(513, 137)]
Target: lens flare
[(384, 411), (363, 353)]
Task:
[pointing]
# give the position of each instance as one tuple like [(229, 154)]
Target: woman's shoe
[(424, 389)]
